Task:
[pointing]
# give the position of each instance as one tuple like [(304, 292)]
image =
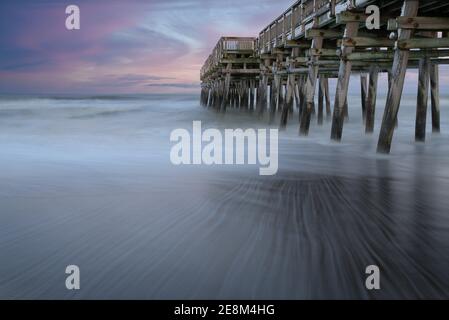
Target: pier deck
[(315, 40)]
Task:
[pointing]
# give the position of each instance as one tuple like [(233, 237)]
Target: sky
[(133, 46)]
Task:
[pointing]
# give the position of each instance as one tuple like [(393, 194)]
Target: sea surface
[(87, 181)]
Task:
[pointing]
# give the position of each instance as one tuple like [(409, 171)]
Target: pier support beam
[(296, 92), (227, 84), (274, 95), (317, 44), (409, 9), (371, 99), (302, 96), (435, 97), (245, 95), (282, 97), (263, 94), (363, 93), (423, 96), (251, 94), (344, 74), (321, 90), (288, 103), (327, 98), (211, 96), (216, 95)]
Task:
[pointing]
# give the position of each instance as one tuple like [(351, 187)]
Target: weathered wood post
[(221, 90), (372, 99), (435, 96), (317, 44), (289, 93), (423, 96), (282, 94), (251, 94), (321, 90), (327, 98), (296, 93), (245, 95), (275, 93), (344, 74), (259, 94), (226, 84), (363, 93), (207, 96), (288, 100), (232, 98), (202, 96), (240, 94), (211, 95), (409, 9), (302, 96), (263, 94)]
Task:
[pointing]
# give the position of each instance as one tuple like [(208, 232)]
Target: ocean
[(87, 181)]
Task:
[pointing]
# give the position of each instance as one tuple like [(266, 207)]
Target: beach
[(87, 180)]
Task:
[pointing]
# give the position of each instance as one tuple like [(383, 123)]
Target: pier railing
[(225, 47), (294, 22)]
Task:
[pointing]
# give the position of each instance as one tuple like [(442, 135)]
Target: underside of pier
[(314, 40)]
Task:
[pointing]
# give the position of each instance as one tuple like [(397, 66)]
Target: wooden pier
[(314, 40)]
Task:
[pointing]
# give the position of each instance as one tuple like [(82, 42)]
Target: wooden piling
[(317, 44), (344, 74), (302, 96), (421, 107), (288, 100), (363, 93), (409, 9), (321, 89), (251, 94), (371, 99), (435, 97), (327, 98), (282, 97), (274, 97), (226, 84), (245, 94), (262, 94), (296, 92)]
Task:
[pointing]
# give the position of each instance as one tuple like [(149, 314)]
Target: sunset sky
[(135, 46)]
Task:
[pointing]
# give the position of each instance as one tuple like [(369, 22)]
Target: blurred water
[(88, 181)]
